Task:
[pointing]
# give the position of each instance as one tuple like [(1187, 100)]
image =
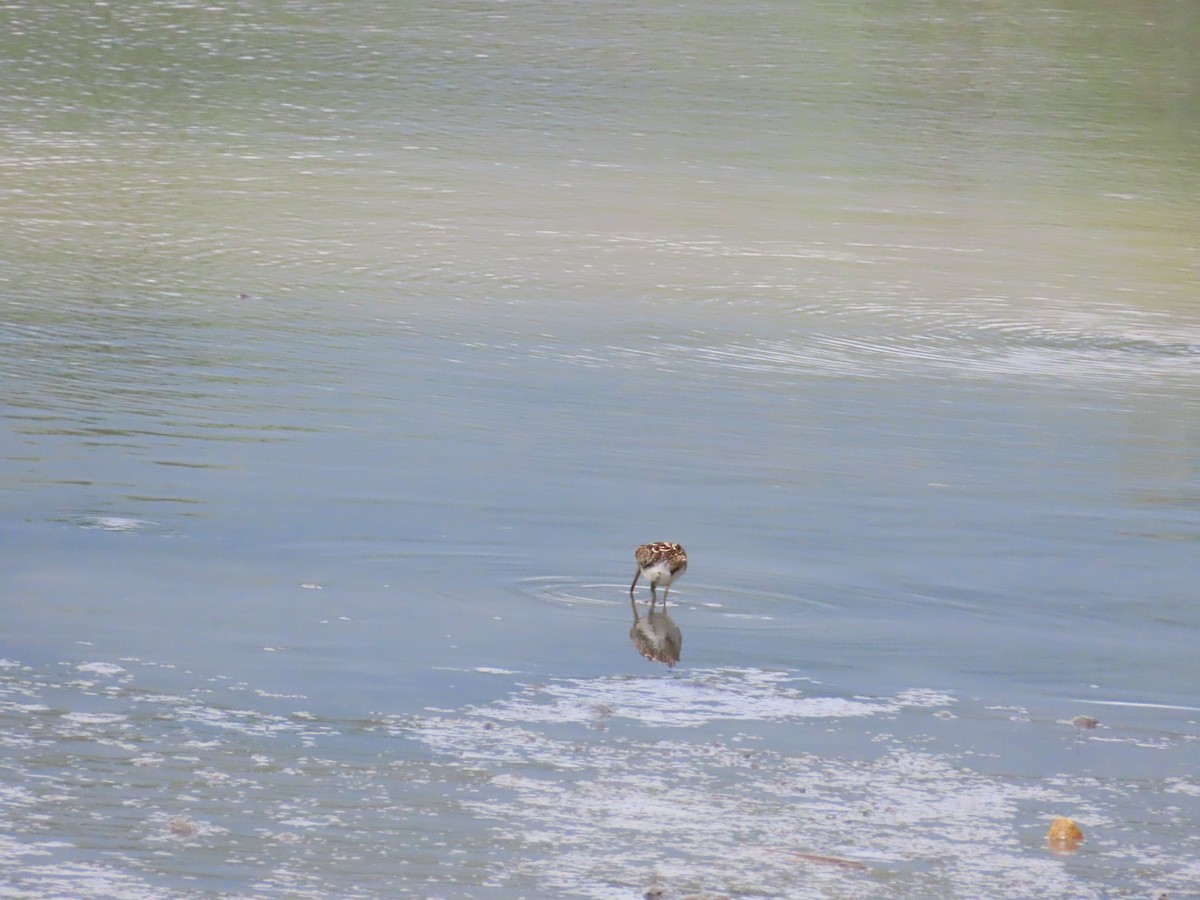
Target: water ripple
[(735, 607)]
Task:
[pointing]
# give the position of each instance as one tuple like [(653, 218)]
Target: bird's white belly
[(660, 573)]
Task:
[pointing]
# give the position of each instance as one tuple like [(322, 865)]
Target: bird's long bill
[(636, 574)]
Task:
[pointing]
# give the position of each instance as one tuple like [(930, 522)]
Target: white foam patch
[(81, 880), (93, 719), (731, 781), (613, 816), (1178, 785), (715, 816), (703, 697), (100, 668), (118, 523)]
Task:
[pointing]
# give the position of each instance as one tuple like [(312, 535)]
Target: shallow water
[(349, 354)]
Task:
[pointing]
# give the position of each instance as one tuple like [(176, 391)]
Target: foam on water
[(101, 668), (742, 781), (123, 524), (704, 697)]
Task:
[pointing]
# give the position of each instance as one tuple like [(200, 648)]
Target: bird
[(661, 563)]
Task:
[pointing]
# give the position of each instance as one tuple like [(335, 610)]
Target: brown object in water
[(1064, 835), (182, 828)]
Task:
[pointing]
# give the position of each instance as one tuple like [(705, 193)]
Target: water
[(348, 354)]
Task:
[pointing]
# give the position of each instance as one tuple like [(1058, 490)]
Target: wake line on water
[(1136, 704)]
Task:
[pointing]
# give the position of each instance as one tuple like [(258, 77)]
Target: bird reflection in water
[(656, 636)]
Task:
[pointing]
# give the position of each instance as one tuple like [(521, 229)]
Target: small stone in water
[(183, 828), (1085, 722), (1064, 835)]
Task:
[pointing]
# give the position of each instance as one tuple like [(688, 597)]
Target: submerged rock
[(183, 828)]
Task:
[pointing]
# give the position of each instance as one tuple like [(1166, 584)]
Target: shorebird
[(661, 563)]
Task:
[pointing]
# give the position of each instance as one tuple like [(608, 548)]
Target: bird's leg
[(666, 591), (636, 575), (653, 596)]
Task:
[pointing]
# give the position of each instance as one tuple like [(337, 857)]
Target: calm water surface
[(348, 353)]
